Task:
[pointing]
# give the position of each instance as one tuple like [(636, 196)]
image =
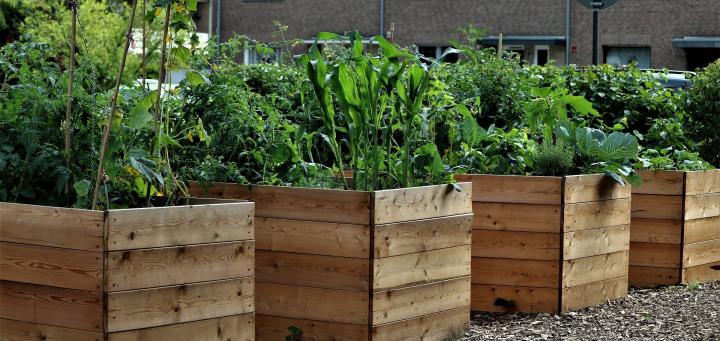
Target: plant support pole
[(113, 105), (71, 78), (161, 80)]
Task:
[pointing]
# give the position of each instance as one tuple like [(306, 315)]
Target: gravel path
[(672, 313)]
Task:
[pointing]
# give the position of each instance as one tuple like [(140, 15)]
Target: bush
[(703, 113)]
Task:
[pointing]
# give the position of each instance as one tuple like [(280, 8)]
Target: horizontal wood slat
[(410, 302), (422, 235), (660, 183), (656, 231), (274, 328), (594, 269), (446, 325), (594, 242), (593, 187), (312, 303), (516, 245), (311, 237), (515, 189), (236, 328), (651, 277), (398, 205), (702, 273), (655, 255), (702, 206), (657, 206), (594, 293), (313, 270), (24, 331), (701, 182), (701, 253), (590, 215), (495, 298), (516, 217), (421, 267), (516, 272), (700, 230)]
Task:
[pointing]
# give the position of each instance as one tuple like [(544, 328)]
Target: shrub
[(703, 113)]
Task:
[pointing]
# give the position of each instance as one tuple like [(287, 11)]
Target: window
[(251, 56), (542, 55), (621, 56)]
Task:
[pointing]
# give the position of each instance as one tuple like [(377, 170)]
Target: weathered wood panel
[(701, 182), (651, 277), (516, 272), (52, 226), (655, 255), (312, 303), (495, 298), (179, 225), (422, 235), (700, 230), (515, 189), (64, 268), (273, 328), (135, 309), (702, 206), (51, 306), (421, 267), (313, 270), (593, 293), (701, 253), (590, 215), (702, 273), (657, 206), (411, 302), (24, 331), (517, 217), (312, 237), (231, 328), (594, 269), (656, 231), (446, 325), (593, 187), (397, 205), (660, 183), (598, 241), (516, 245), (146, 268)]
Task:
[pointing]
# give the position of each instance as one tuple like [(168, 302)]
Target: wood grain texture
[(655, 255), (63, 268), (422, 235), (147, 268), (515, 189), (398, 205), (23, 331), (274, 328), (700, 230), (312, 303), (702, 273), (135, 309), (230, 328), (595, 214), (516, 272), (595, 293), (69, 308), (595, 269), (411, 302), (657, 206), (516, 245), (313, 270), (51, 226), (527, 299), (701, 182), (312, 237), (656, 231), (421, 267), (701, 253), (660, 182), (594, 242), (446, 325), (652, 277), (516, 217), (593, 187), (702, 206), (179, 225)]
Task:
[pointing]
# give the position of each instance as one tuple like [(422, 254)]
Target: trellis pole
[(71, 78)]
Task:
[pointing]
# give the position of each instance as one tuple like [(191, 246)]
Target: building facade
[(673, 34)]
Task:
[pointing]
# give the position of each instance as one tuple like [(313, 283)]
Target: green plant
[(553, 159), (703, 112)]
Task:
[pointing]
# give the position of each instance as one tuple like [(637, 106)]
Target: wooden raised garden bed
[(170, 273), (351, 265), (675, 232), (548, 244)]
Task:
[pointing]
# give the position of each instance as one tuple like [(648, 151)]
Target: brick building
[(676, 34)]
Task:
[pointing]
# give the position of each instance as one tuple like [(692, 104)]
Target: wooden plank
[(592, 294), (147, 268), (700, 230), (446, 325), (312, 303), (411, 302), (652, 277), (702, 273), (655, 255), (23, 331), (422, 235), (595, 214), (236, 328), (69, 308), (312, 237), (702, 206), (179, 225), (405, 204), (493, 298), (599, 241), (660, 182), (701, 253), (593, 187), (421, 267), (701, 182), (516, 217), (313, 270), (656, 231), (515, 189), (135, 309), (594, 269), (273, 328), (52, 226), (657, 206), (516, 245), (313, 204), (516, 272), (63, 268)]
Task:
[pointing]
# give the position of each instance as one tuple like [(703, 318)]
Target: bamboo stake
[(163, 55), (113, 106), (144, 38), (71, 78)]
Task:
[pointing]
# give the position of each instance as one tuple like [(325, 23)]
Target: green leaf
[(82, 188), (139, 116), (581, 105), (194, 78), (191, 5)]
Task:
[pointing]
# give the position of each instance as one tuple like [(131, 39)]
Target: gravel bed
[(671, 313)]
